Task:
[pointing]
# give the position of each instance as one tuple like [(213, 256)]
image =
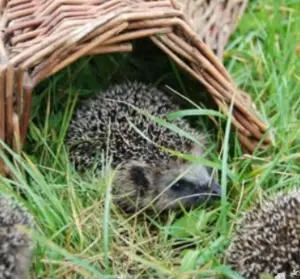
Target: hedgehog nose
[(216, 189)]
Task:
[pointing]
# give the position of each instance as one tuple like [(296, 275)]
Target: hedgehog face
[(175, 186), (187, 185)]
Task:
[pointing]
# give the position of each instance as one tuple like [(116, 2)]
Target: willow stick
[(162, 22), (175, 48), (225, 109), (16, 139), (30, 23), (48, 45), (204, 49), (62, 44), (19, 91), (250, 145), (248, 125), (9, 102), (225, 89), (183, 45), (2, 112), (127, 16), (108, 4), (137, 35), (22, 7), (240, 105), (28, 87), (185, 67), (54, 20), (36, 48), (49, 70), (26, 36), (51, 6), (111, 49), (21, 13)]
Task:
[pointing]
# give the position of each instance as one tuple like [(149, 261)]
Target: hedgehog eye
[(177, 185), (181, 184)]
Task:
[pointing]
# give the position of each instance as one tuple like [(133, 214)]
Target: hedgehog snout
[(204, 181), (209, 191), (215, 189)]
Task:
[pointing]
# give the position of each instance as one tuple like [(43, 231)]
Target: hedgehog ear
[(197, 150), (209, 170), (175, 163), (140, 179)]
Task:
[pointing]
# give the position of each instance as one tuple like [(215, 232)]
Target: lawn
[(80, 234)]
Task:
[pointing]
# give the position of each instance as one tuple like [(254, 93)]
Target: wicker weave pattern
[(40, 37), (214, 21)]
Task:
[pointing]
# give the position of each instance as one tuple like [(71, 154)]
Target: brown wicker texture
[(214, 21), (40, 37)]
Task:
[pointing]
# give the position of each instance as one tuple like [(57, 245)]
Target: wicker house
[(41, 37)]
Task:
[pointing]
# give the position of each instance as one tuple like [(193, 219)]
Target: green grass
[(80, 234)]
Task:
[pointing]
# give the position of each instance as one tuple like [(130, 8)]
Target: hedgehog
[(267, 240), (15, 244), (117, 124)]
